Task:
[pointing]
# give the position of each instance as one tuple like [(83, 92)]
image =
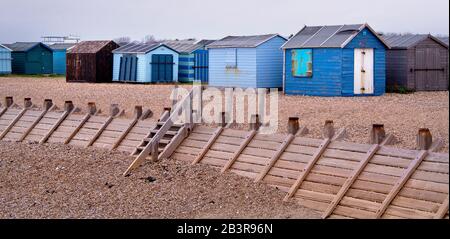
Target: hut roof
[(61, 46), (182, 47), (141, 48), (205, 42), (408, 41), (444, 40), (335, 36), (187, 46), (242, 41), (89, 46), (24, 46), (7, 48)]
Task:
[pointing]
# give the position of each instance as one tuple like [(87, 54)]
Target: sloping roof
[(24, 46), (139, 48), (7, 48), (182, 46), (242, 41), (61, 46), (408, 41), (89, 46), (444, 40), (336, 36), (205, 42)]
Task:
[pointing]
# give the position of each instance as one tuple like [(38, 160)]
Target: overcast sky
[(25, 20)]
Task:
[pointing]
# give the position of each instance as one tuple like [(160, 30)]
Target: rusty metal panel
[(302, 65)]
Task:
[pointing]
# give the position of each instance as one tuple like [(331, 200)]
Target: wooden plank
[(208, 145), (55, 126), (241, 148), (36, 121), (199, 137), (359, 204), (275, 157), (350, 180), (398, 186), (125, 133), (194, 143), (307, 169), (174, 143), (99, 131), (3, 110), (415, 204), (234, 133), (13, 122), (307, 142), (408, 213), (353, 212), (443, 210)]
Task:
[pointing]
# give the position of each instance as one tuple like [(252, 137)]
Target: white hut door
[(364, 65)]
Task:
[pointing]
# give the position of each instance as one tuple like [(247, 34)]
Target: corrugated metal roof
[(182, 46), (404, 41), (61, 46), (22, 46), (139, 48), (410, 40), (241, 41), (89, 46), (335, 36)]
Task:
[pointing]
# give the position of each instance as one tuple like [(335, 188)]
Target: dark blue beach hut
[(339, 60)]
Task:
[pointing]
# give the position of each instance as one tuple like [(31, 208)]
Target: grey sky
[(25, 20)]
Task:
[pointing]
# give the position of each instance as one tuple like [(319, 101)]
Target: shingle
[(241, 41)]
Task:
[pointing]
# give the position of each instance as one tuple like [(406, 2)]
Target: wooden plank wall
[(345, 180), (77, 129), (376, 170)]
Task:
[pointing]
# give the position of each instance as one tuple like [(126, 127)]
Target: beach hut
[(90, 61), (5, 60), (145, 63), (417, 62), (31, 58), (246, 61), (339, 60), (59, 57), (193, 61)]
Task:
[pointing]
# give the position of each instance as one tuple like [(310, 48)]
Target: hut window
[(302, 65), (231, 59)]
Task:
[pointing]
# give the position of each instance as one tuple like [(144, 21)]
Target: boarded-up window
[(302, 63), (231, 58)]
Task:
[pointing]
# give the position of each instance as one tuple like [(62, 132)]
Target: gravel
[(56, 181), (402, 115)]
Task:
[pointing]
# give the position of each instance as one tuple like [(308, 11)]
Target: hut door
[(428, 72), (364, 64), (128, 68), (162, 68), (201, 66)]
